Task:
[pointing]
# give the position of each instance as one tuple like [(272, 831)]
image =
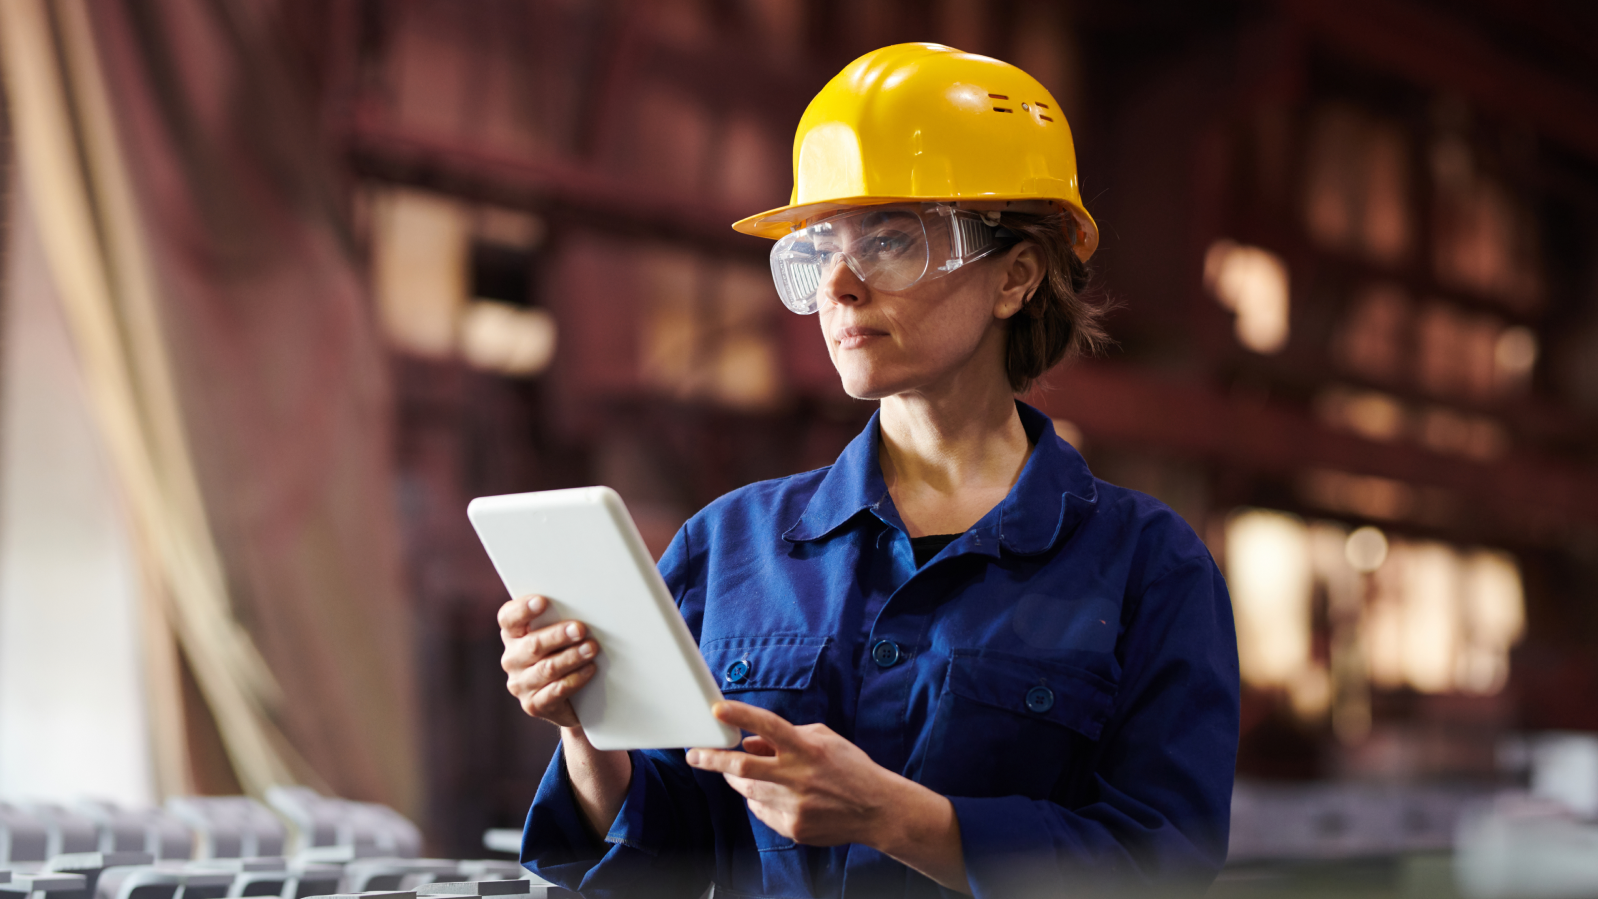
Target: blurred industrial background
[(287, 282)]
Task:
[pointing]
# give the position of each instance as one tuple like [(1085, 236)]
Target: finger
[(538, 671), (553, 667), (517, 616), (740, 785), (551, 696), (513, 616), (524, 651), (739, 764), (546, 640), (777, 731), (758, 745), (536, 605), (550, 701), (756, 790), (520, 657), (771, 817)]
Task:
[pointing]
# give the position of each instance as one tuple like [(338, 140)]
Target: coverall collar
[(1054, 492)]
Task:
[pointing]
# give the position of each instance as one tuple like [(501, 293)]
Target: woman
[(964, 662)]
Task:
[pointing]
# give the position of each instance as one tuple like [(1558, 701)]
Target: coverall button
[(1040, 699), (885, 653), (738, 671)]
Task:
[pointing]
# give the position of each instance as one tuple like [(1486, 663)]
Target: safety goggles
[(888, 248)]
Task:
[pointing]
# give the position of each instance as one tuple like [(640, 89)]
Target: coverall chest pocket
[(776, 673), (1009, 725)]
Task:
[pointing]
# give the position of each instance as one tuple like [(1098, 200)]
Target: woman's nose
[(840, 284)]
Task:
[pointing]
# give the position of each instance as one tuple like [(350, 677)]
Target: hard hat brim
[(774, 223)]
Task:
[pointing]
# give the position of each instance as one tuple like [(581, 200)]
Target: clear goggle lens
[(887, 247)]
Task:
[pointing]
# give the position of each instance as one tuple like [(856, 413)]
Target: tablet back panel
[(581, 550)]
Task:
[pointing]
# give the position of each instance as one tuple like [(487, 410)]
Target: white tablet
[(581, 550)]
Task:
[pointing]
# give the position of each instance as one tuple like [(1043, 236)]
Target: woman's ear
[(1023, 272)]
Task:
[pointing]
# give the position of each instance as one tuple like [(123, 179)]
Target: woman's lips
[(854, 338)]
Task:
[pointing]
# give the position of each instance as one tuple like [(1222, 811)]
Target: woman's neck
[(950, 456)]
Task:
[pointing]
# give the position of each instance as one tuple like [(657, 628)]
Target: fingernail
[(535, 604), (573, 631), (693, 756), (586, 651)]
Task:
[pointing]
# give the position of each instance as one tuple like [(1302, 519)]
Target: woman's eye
[(887, 243)]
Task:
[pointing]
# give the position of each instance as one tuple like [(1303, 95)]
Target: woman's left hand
[(805, 782)]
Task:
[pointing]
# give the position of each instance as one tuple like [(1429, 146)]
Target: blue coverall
[(1065, 672)]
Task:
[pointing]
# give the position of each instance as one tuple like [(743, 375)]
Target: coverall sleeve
[(661, 841), (1163, 768)]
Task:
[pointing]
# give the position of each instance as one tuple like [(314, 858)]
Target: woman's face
[(886, 343)]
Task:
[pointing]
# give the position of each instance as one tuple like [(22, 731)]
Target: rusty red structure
[(635, 132)]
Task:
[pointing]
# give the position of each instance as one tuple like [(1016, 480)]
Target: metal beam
[(576, 192), (1445, 54), (1118, 405)]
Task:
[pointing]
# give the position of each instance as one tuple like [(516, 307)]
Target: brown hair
[(1056, 321)]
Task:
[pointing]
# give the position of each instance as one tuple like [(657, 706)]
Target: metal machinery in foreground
[(305, 845)]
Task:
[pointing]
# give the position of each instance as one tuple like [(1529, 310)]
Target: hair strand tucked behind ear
[(1055, 322)]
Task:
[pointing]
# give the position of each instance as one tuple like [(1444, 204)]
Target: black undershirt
[(930, 545)]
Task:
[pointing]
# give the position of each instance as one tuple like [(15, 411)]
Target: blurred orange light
[(1253, 283)]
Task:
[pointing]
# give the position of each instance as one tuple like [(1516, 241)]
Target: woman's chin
[(866, 382)]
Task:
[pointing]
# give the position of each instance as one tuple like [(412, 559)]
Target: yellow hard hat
[(925, 122)]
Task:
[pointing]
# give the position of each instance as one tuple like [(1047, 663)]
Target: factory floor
[(1418, 876)]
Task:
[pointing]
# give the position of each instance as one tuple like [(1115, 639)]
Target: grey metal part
[(68, 831), (204, 884), (149, 830), (491, 869), (90, 865), (124, 835), (258, 883), (322, 823), (83, 862), (230, 826), (315, 818), (367, 823), (168, 837), (338, 855), (303, 868), (241, 865), (371, 894), (213, 840), (312, 883), (138, 883), (23, 837), (120, 830), (266, 838), (45, 881), (378, 882), (475, 887), (387, 874), (418, 879)]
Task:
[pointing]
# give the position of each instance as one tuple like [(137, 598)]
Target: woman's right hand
[(544, 667)]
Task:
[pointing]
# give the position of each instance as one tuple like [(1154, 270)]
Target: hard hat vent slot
[(998, 96), (1002, 109), (1044, 117)]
